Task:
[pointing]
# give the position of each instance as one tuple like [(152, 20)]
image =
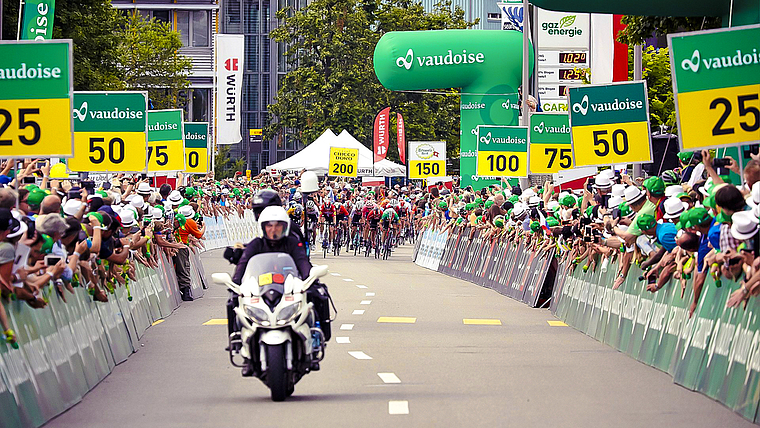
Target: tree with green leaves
[(332, 83), (149, 60), (224, 165), (93, 26), (639, 28)]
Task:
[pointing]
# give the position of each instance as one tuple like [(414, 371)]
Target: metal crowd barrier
[(66, 349), (715, 352)]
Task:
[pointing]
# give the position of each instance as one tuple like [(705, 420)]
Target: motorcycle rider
[(275, 225)]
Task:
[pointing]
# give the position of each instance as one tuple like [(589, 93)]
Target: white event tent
[(315, 157)]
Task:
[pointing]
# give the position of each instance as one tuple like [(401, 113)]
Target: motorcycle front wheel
[(277, 372)]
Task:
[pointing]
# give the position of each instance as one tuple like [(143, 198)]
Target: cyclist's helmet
[(311, 206), (338, 205), (670, 178)]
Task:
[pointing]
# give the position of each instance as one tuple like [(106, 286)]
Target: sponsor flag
[(38, 20), (381, 134), (401, 138), (229, 83)]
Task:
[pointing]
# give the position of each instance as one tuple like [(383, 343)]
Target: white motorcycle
[(278, 336)]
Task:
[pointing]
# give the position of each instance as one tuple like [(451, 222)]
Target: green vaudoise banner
[(37, 23), (486, 65)]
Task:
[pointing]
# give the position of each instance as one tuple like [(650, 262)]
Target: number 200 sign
[(35, 99), (717, 86), (109, 132), (343, 162), (610, 124)]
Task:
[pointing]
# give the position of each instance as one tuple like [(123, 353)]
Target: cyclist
[(327, 210), (389, 218), (371, 220), (341, 217), (356, 217), (312, 217)]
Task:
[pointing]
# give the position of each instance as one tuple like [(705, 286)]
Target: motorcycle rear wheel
[(277, 373)]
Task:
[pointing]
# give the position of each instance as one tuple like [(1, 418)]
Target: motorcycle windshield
[(262, 268)]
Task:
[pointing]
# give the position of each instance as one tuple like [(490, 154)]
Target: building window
[(161, 15), (193, 27), (232, 16), (252, 53), (494, 16), (200, 104), (252, 17)]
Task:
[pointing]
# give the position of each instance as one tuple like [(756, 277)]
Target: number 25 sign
[(35, 99)]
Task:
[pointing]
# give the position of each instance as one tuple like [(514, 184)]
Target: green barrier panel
[(9, 409), (74, 374), (90, 338), (716, 352)]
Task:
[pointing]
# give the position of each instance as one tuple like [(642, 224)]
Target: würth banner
[(229, 83), (381, 134), (401, 138)]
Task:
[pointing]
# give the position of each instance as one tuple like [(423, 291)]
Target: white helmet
[(309, 182), (275, 214), (297, 196)]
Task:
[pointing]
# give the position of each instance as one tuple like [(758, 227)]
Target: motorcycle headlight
[(288, 313), (257, 314)]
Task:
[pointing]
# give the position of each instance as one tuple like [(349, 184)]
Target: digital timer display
[(572, 57), (570, 74)]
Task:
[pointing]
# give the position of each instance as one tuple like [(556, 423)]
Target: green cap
[(47, 244), (236, 192), (709, 201), (31, 187), (625, 210), (514, 198), (723, 218), (655, 186), (102, 193), (443, 205), (567, 201), (184, 202), (646, 222), (535, 226), (498, 221), (683, 195), (35, 198), (97, 215), (478, 201), (181, 219), (479, 219), (190, 192), (685, 156), (489, 204), (589, 211), (470, 206), (552, 222)]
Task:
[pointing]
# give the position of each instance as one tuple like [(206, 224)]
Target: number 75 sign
[(166, 149)]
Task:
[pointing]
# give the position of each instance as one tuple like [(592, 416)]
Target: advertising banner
[(427, 159), (38, 20), (401, 138), (229, 83), (512, 15), (166, 148), (343, 162), (36, 88), (502, 151), (716, 81), (562, 30), (196, 147), (551, 150), (110, 132), (381, 134), (609, 124)]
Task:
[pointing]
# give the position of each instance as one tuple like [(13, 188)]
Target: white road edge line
[(370, 294), (359, 355), (346, 326), (389, 378), (358, 312), (342, 339), (365, 302), (398, 407)]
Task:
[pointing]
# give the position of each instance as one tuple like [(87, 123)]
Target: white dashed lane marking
[(358, 312), (359, 355), (398, 407), (389, 378), (346, 326), (370, 294), (365, 302), (348, 280), (342, 339), (361, 286), (334, 274)]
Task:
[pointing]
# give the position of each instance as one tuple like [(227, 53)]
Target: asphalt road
[(505, 366)]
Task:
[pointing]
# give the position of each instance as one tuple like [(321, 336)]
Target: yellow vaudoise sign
[(343, 162)]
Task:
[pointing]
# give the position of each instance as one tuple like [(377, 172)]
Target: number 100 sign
[(109, 132), (502, 151), (427, 159)]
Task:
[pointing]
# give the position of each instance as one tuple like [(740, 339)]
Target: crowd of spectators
[(57, 234), (699, 219)]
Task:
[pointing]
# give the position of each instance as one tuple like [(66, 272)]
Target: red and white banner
[(229, 85), (381, 134), (401, 138)]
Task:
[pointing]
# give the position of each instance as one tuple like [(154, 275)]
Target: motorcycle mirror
[(318, 271), (223, 278)]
